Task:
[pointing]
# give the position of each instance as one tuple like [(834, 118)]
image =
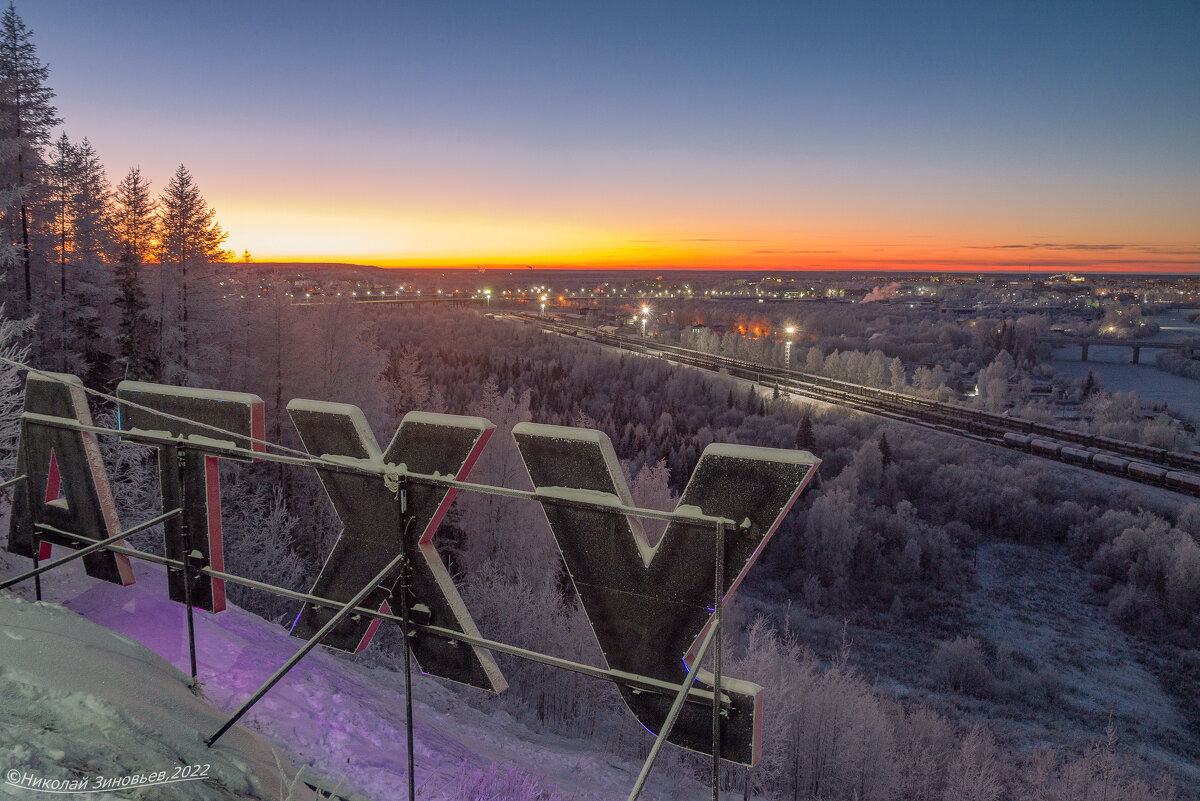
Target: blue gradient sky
[(688, 134)]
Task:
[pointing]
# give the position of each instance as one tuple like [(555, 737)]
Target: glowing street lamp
[(787, 350), (487, 294), (543, 305), (645, 317)]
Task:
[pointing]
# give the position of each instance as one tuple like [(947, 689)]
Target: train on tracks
[(1174, 470), (1105, 462)]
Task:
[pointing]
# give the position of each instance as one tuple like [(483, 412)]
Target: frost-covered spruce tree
[(897, 377), (61, 171), (61, 174), (189, 238), (26, 119), (92, 287), (15, 347), (406, 384), (135, 229), (77, 207)]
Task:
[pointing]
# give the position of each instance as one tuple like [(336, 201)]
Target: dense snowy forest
[(111, 282)]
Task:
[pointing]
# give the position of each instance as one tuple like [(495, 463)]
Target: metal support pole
[(181, 466), (12, 481), (191, 622), (718, 602), (186, 530), (673, 714), (95, 546), (405, 567), (308, 646), (37, 571), (35, 537)]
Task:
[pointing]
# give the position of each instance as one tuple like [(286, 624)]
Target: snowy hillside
[(343, 721), (86, 707)]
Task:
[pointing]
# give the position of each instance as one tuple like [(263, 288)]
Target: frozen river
[(1114, 368)]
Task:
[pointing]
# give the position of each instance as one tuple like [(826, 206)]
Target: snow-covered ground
[(341, 720), (82, 707), (1030, 601), (1113, 369), (1100, 673)]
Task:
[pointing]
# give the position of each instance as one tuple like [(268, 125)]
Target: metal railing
[(399, 477)]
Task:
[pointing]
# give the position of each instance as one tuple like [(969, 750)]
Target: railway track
[(1134, 461)]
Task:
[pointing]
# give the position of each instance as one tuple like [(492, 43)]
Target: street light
[(787, 350), (543, 305), (645, 317)]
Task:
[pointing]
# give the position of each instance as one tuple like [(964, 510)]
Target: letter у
[(649, 605), (189, 477), (374, 531), (66, 487)]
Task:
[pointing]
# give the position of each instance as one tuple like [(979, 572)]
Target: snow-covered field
[(1114, 368), (1115, 372), (1100, 674), (343, 721)]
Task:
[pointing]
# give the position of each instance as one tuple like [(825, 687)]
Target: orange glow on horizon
[(403, 237), (630, 258)]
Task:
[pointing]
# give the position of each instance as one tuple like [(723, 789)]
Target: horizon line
[(1167, 268)]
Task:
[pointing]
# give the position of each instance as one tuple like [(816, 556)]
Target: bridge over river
[(1187, 348)]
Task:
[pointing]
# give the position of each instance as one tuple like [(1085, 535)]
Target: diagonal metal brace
[(95, 546), (669, 723), (13, 480), (308, 646)]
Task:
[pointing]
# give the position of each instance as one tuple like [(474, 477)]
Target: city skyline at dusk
[(763, 136)]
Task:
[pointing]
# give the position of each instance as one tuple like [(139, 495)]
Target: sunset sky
[(981, 135)]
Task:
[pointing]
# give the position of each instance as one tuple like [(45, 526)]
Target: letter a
[(373, 530), (66, 487), (649, 605)]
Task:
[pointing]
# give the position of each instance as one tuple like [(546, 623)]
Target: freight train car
[(1188, 482), (1150, 473)]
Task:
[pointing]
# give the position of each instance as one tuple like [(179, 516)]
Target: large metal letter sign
[(373, 530), (189, 478), (649, 605), (67, 487)]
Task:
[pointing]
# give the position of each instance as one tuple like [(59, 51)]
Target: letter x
[(649, 605), (373, 530)]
